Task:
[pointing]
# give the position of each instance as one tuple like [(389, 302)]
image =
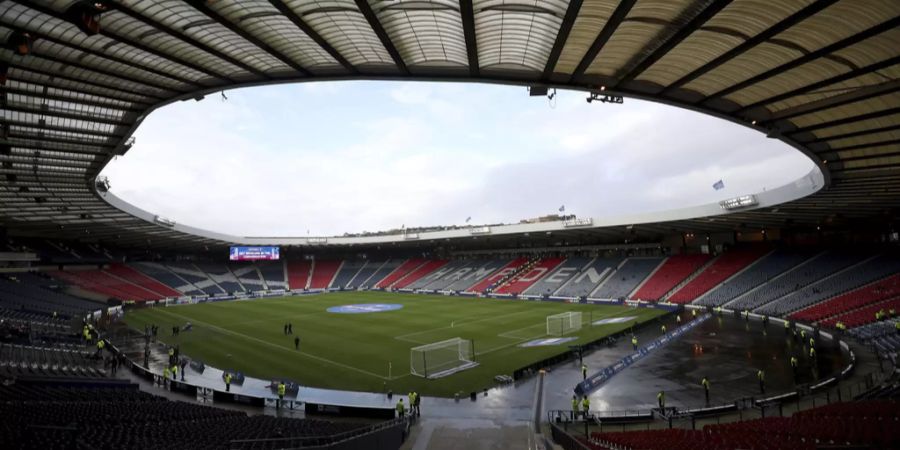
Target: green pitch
[(370, 352)]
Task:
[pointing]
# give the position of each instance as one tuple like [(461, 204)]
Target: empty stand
[(399, 272), (436, 277), (479, 271), (272, 273), (587, 278), (419, 272), (673, 271), (381, 272), (721, 269), (498, 275), (127, 273), (880, 290), (298, 273), (222, 276), (628, 276), (196, 277), (103, 283), (862, 315), (762, 271), (558, 276), (323, 273), (347, 272), (162, 274), (524, 280)]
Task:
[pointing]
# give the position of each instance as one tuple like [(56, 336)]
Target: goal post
[(440, 359), (563, 323)]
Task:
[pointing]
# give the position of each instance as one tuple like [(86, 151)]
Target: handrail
[(326, 440)]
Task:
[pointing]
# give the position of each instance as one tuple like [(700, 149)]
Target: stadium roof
[(79, 76)]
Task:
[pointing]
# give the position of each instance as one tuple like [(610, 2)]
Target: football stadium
[(723, 271)]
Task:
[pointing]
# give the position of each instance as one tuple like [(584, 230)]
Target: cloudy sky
[(364, 156)]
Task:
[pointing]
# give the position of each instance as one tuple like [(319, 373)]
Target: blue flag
[(562, 208), (719, 185)]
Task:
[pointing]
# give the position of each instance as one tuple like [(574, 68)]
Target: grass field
[(353, 351)]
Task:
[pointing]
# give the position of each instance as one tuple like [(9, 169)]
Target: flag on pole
[(719, 185), (468, 219), (562, 208)]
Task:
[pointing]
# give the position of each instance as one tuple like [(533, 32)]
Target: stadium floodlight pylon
[(440, 359), (563, 323)]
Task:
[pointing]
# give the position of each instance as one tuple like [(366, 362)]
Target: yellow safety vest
[(281, 389)]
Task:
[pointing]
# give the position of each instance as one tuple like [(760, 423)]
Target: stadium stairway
[(323, 273), (524, 279), (401, 271), (674, 270), (298, 273), (715, 272), (500, 275), (419, 272)]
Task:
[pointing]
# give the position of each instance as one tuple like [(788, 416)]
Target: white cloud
[(348, 157)]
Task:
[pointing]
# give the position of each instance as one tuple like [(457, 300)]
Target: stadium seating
[(880, 290), (347, 272), (109, 417), (722, 268), (436, 278), (488, 282), (27, 292), (165, 276), (221, 275), (399, 272), (872, 423), (762, 271), (479, 273), (587, 278), (196, 277), (862, 315), (298, 273), (375, 271), (127, 273), (272, 273), (419, 272), (673, 271), (521, 282), (323, 273), (811, 271), (626, 278), (103, 283), (559, 276), (851, 278), (247, 275)]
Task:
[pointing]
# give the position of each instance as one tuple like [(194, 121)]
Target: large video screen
[(253, 253)]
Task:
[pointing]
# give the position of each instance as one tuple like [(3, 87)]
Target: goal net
[(563, 323), (440, 359)]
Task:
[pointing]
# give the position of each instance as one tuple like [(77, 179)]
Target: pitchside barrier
[(595, 380)]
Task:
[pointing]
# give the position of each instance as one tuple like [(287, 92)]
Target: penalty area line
[(293, 352)]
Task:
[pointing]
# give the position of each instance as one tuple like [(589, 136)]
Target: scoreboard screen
[(253, 253)]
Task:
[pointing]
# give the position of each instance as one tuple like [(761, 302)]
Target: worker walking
[(634, 342), (574, 407), (297, 343), (281, 390), (705, 383), (663, 329), (416, 404), (812, 354), (694, 313), (100, 345), (586, 407), (174, 372), (794, 365), (583, 372), (761, 376), (227, 382), (401, 409), (812, 342), (661, 400), (166, 373), (678, 319)]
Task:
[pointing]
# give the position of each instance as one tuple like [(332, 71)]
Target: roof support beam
[(62, 98), (603, 37), (117, 59), (655, 54), (866, 145), (852, 134), (846, 120), (779, 27), (309, 31), (60, 140), (856, 95), (37, 126), (467, 14), (370, 16), (561, 37), (180, 35), (107, 91), (812, 56), (125, 40), (60, 114), (871, 68), (203, 7)]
